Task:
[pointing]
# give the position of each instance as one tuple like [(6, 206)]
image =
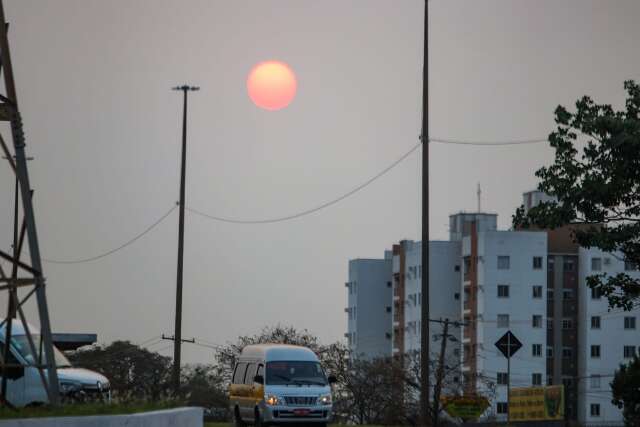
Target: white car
[(24, 383)]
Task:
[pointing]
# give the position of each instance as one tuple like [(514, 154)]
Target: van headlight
[(273, 400), (325, 399)]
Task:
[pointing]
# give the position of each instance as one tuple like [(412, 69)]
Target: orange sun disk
[(271, 85)]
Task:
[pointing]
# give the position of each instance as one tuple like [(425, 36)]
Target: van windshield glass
[(295, 373), (21, 343)]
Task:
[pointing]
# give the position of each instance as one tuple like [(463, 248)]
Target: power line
[(124, 245), (489, 143), (312, 210)]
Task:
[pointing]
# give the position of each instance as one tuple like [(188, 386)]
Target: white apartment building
[(504, 285), (369, 307), (606, 338), (444, 292), (532, 283)]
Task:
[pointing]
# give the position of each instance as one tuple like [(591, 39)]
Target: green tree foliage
[(203, 387), (597, 187), (135, 373), (625, 388)]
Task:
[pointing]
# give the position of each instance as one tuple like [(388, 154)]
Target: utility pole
[(440, 375), (424, 329), (178, 328)]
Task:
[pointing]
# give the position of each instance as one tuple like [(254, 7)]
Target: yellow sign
[(465, 407), (537, 403)]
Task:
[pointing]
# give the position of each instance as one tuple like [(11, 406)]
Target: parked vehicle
[(275, 383), (24, 383)]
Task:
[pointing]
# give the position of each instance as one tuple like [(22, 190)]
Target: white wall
[(611, 337), (521, 247), (368, 297), (180, 417)]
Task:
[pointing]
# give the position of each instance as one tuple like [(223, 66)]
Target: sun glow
[(272, 85)]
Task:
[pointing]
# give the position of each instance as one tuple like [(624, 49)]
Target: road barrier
[(179, 417)]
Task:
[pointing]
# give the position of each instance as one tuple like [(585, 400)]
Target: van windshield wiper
[(308, 382), (287, 379)]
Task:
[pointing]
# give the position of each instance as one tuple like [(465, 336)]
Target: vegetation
[(597, 190), (625, 388)]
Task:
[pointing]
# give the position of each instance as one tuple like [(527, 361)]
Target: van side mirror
[(258, 379), (14, 372), (332, 379)]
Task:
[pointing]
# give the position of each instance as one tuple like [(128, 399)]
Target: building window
[(549, 352), (536, 350), (503, 320), (630, 266), (456, 352), (536, 321), (595, 409), (502, 408), (568, 264), (537, 292), (456, 268), (567, 294), (567, 324), (567, 352), (456, 296), (536, 379), (596, 264), (549, 380), (503, 291), (550, 263), (629, 351), (595, 352), (549, 294), (503, 262), (388, 308), (549, 323), (630, 322), (595, 322), (595, 293), (388, 284), (537, 263), (595, 381), (503, 378)]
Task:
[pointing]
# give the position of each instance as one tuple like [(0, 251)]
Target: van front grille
[(300, 400)]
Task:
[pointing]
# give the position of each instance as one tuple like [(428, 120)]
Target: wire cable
[(488, 143), (124, 245), (312, 210)]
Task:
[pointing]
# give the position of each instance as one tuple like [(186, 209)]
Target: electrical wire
[(312, 210), (124, 245), (488, 143)]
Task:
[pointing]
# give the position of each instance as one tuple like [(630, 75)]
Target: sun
[(272, 85)]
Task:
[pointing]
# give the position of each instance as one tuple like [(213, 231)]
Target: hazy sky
[(93, 81)]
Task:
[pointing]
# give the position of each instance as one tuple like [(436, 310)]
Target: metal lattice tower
[(23, 278)]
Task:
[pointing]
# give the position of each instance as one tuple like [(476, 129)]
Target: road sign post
[(508, 345)]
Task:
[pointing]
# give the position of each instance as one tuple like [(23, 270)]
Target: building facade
[(532, 283)]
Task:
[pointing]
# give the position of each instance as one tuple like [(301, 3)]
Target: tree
[(597, 190), (134, 373), (203, 387), (625, 388), (226, 356)]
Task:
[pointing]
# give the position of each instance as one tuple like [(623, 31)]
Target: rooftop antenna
[(479, 193)]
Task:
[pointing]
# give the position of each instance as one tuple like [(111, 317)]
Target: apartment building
[(369, 307), (606, 338), (444, 291), (504, 284), (533, 283)]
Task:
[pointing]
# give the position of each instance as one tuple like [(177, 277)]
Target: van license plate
[(301, 412)]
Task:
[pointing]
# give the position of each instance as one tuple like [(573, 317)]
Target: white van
[(24, 384), (276, 383)]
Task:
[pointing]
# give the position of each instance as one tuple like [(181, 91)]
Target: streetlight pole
[(178, 328), (424, 330)]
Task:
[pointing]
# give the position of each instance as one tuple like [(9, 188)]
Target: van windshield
[(295, 373), (21, 343)]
